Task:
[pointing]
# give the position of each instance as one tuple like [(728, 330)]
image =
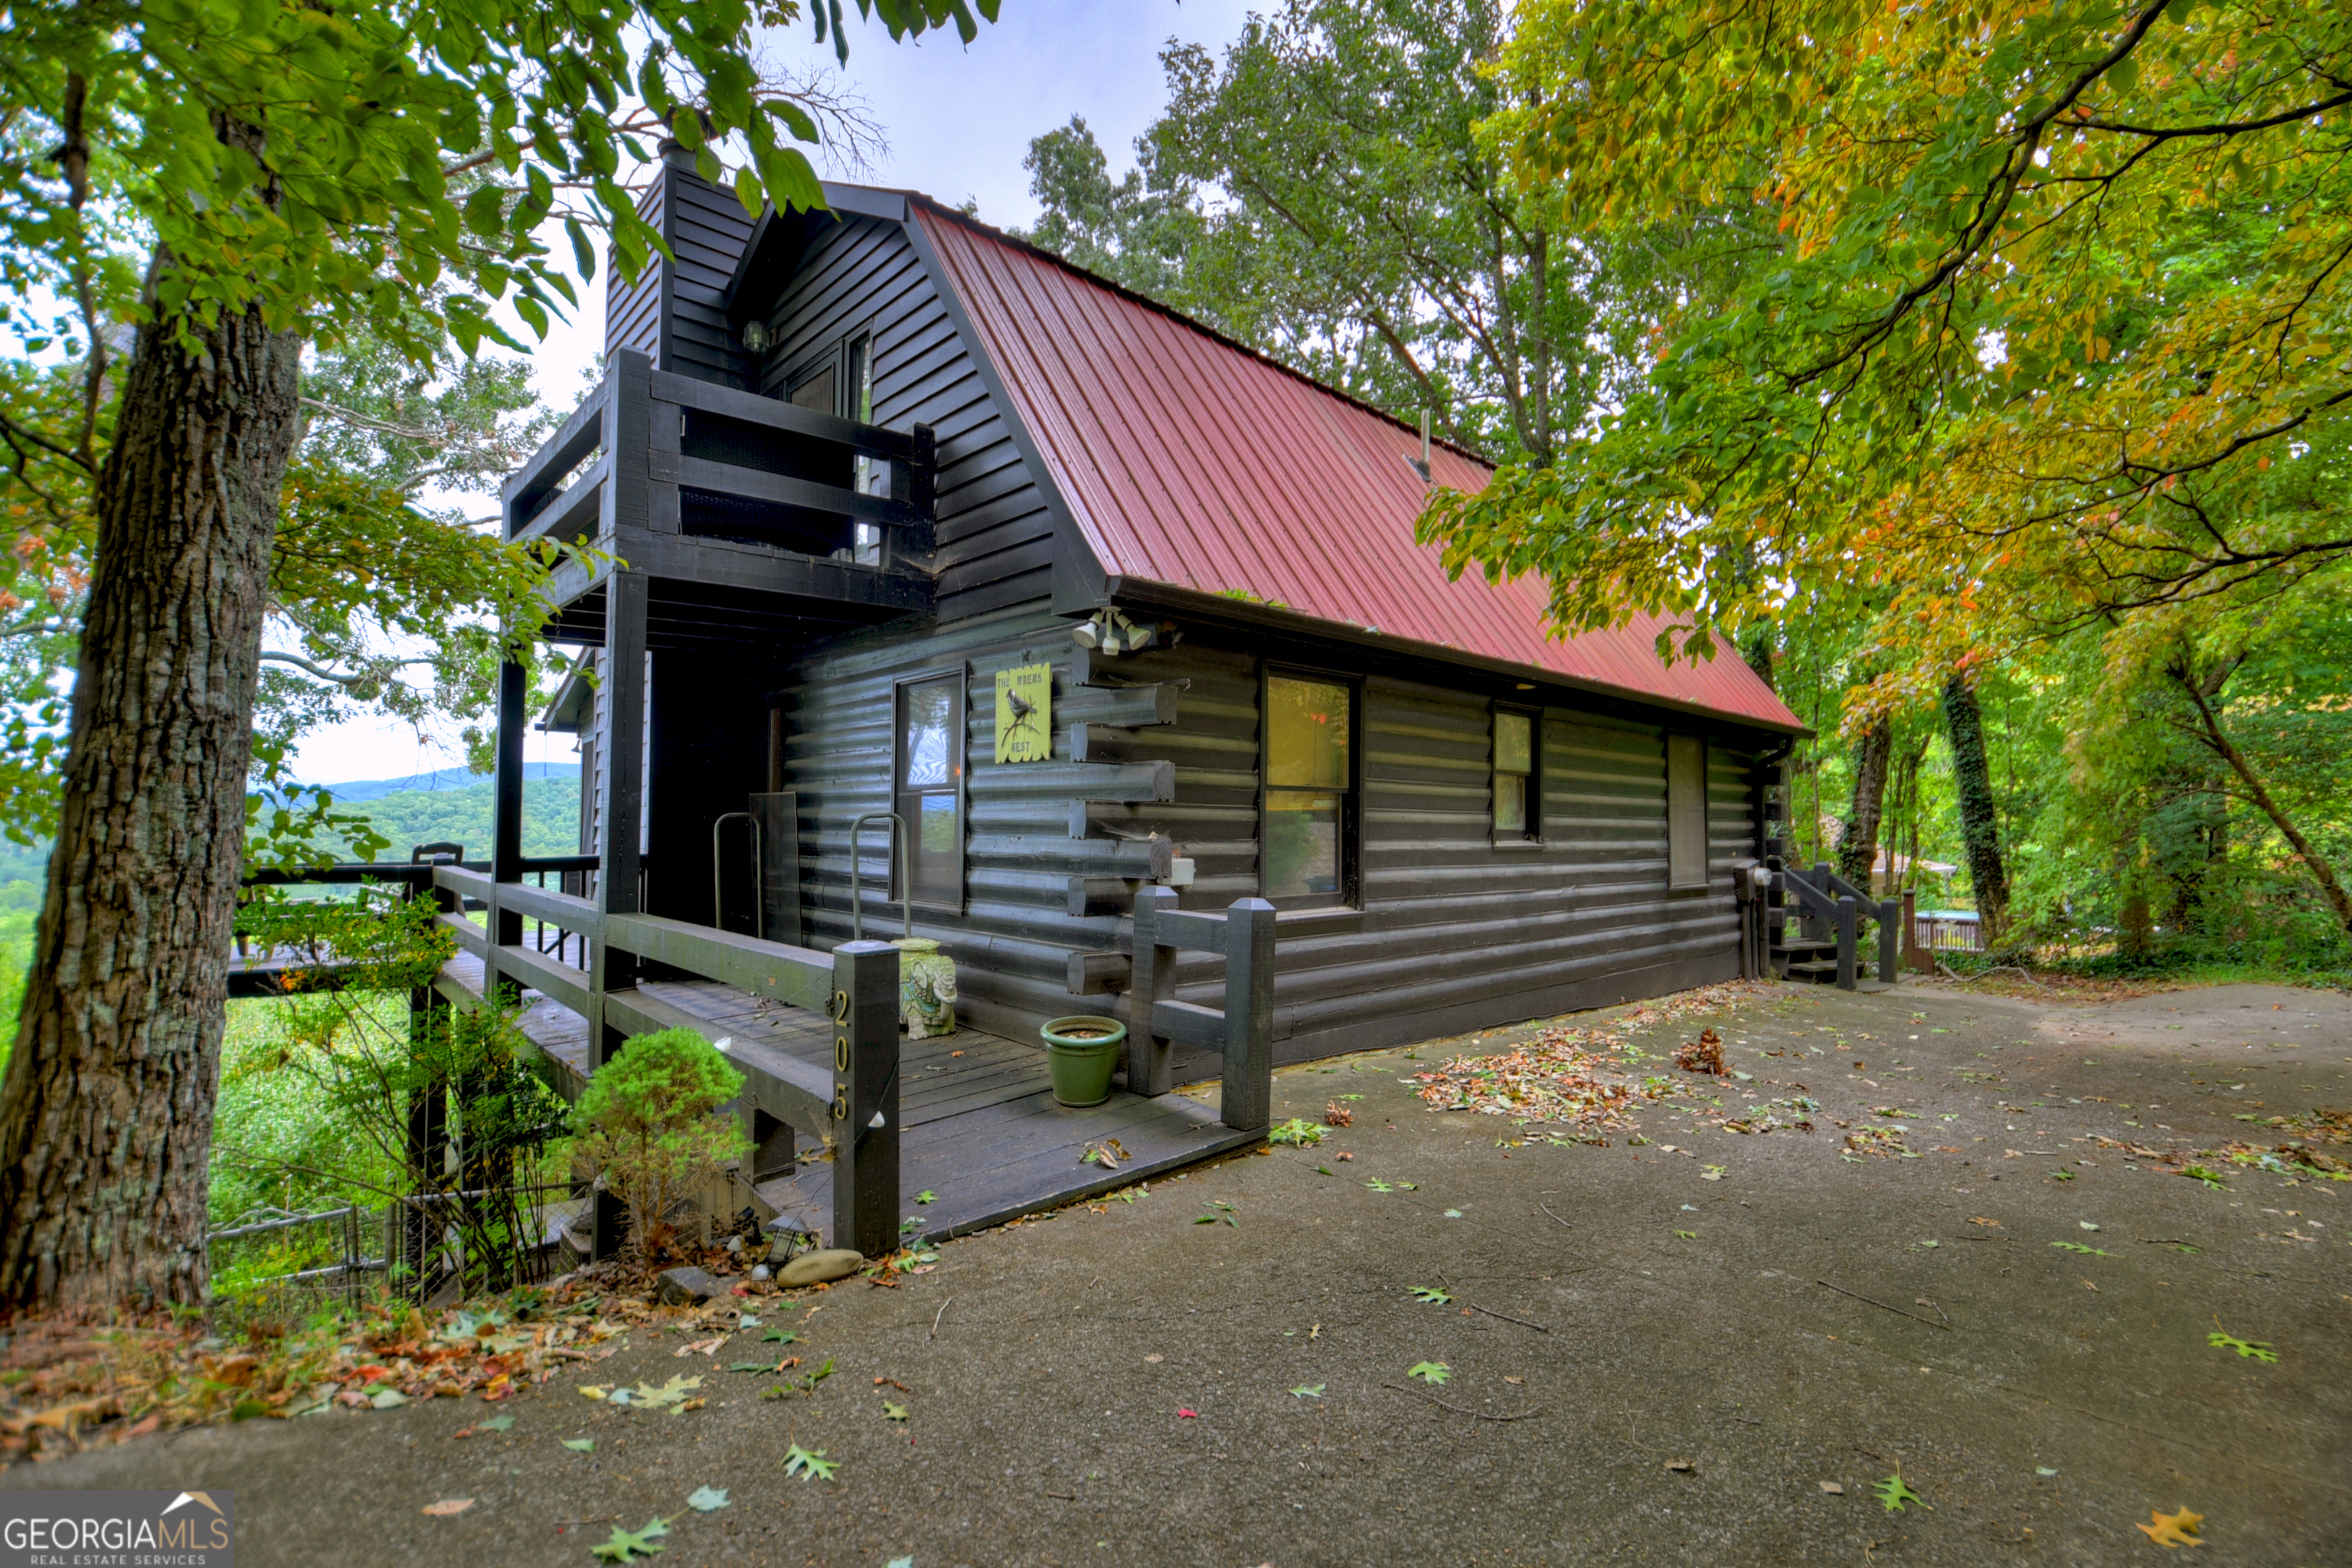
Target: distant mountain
[(550, 817), (451, 807), (352, 791)]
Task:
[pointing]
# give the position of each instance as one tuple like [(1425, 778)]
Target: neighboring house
[(871, 462)]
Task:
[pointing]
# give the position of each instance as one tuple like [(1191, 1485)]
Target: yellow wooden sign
[(1024, 713)]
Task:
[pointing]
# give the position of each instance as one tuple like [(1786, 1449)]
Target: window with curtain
[(930, 788), (1686, 812), (1307, 853), (1518, 794)]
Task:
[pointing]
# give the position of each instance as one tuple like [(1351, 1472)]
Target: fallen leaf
[(809, 1464), (448, 1506), (780, 1337), (387, 1399), (1308, 1391), (927, 1196), (581, 1444), (627, 1546), (701, 1347), (1184, 1414), (707, 1499), (1833, 1489), (1431, 1296), (891, 1411), (1431, 1371), (2258, 1349), (497, 1424), (1895, 1496), (1154, 1358), (1683, 1465), (2173, 1529)]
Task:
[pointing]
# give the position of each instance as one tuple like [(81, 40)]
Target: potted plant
[(1081, 1051)]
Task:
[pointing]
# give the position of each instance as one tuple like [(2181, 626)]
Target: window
[(929, 793), (1307, 855), (1686, 812), (872, 477), (1518, 795)]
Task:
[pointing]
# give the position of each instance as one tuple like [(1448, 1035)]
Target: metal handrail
[(857, 885), (759, 873)]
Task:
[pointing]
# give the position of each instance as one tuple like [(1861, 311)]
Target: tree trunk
[(2313, 861), (1858, 845), (106, 1115), (1980, 825)]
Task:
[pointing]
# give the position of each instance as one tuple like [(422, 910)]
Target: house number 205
[(841, 1056)]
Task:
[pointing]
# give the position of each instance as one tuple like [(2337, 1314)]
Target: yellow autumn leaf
[(2173, 1529)]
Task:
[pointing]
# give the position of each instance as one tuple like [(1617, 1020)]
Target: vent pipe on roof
[(1421, 466)]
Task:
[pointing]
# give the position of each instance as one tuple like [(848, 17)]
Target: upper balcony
[(691, 482)]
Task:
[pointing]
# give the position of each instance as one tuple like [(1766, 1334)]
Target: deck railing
[(1838, 906), (1243, 1032), (854, 1108)]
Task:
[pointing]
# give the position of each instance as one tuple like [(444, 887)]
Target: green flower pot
[(1082, 1051)]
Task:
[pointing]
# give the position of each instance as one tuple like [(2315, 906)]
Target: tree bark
[(2218, 738), (106, 1114), (1858, 845), (1980, 821)]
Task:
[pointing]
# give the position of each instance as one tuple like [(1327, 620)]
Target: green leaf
[(1687, 1234), (809, 1464), (1431, 1296), (2258, 1350), (893, 1412), (627, 1547), (1894, 1497), (497, 1424), (1379, 1186), (707, 1499), (927, 1196), (2078, 1247), (780, 1337), (1296, 1132), (1429, 1370), (581, 1444), (1308, 1391)]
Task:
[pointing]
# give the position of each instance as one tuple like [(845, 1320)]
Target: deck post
[(1890, 910), (1247, 1095), (1846, 913), (505, 926), (865, 1015), (618, 829), (1149, 1065), (427, 1142)]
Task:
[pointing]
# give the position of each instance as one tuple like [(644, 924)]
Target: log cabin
[(900, 516)]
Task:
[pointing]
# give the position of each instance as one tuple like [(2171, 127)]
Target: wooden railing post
[(1247, 1095), (1846, 913), (1149, 1056), (866, 1096), (1890, 952)]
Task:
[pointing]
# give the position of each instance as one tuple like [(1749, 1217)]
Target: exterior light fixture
[(755, 336)]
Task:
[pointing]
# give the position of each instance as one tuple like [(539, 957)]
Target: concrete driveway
[(1647, 1356)]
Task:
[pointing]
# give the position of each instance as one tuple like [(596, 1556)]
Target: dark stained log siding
[(993, 534), (1455, 934)]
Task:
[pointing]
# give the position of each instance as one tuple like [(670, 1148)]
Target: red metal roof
[(1191, 461)]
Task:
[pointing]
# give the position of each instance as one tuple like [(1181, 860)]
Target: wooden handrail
[(1245, 935)]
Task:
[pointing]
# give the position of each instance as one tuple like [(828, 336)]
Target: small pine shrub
[(648, 1122)]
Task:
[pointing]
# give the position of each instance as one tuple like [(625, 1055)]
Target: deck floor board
[(982, 1131)]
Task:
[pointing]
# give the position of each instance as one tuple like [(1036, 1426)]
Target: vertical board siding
[(1454, 932), (707, 228), (633, 311), (992, 532)]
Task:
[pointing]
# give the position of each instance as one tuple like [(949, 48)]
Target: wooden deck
[(980, 1127)]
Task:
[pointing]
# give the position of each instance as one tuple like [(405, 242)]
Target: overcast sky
[(959, 121)]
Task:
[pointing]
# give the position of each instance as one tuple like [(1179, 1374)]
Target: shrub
[(648, 1123)]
